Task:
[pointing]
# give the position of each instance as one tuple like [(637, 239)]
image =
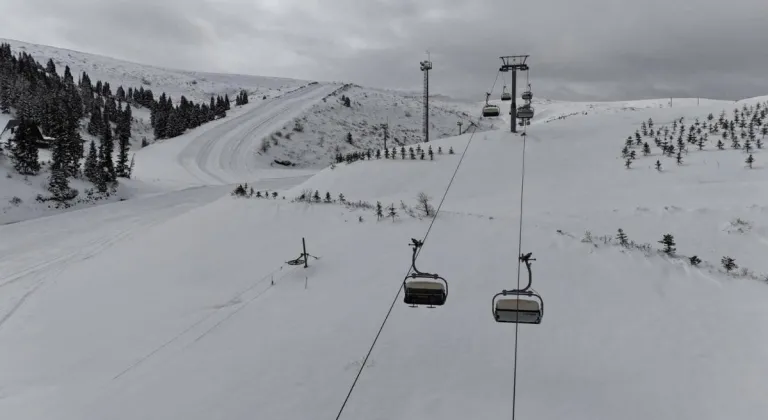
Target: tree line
[(56, 104)]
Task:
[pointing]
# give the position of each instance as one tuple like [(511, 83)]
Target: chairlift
[(519, 306), (528, 95), (525, 112), (506, 96), (424, 288), (491, 111)]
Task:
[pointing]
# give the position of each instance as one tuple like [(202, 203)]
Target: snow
[(196, 86), (163, 306), (314, 139), (200, 157)]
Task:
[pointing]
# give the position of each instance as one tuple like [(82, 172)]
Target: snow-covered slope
[(196, 86), (181, 306), (315, 138)]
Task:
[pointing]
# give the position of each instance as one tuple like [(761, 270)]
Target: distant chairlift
[(527, 95), (490, 110), (525, 112), (506, 96), (523, 306), (424, 288)]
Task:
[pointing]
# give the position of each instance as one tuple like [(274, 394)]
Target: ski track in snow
[(226, 154), (221, 155)]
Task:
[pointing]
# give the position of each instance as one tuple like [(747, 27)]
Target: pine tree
[(392, 211), (379, 210), (378, 153), (646, 149), (750, 160), (694, 260), (658, 166), (341, 198), (402, 152), (439, 150), (349, 138), (124, 142), (24, 153), (729, 264), (450, 150), (95, 124), (50, 68), (720, 144), (58, 183), (91, 171), (412, 153), (679, 158), (386, 153), (328, 197), (316, 197), (701, 143), (669, 244), (622, 237), (431, 153), (106, 149), (644, 128), (627, 163)]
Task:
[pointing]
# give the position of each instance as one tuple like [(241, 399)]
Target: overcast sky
[(580, 49)]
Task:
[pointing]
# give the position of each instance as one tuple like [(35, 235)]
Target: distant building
[(43, 142)]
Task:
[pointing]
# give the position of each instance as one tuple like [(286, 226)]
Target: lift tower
[(513, 63), (426, 66)]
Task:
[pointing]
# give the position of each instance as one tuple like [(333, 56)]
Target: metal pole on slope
[(426, 66), (306, 256), (513, 111)]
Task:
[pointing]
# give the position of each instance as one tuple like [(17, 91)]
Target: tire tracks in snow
[(221, 155), (217, 310), (41, 272)]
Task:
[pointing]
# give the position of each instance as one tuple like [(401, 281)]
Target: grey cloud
[(586, 49)]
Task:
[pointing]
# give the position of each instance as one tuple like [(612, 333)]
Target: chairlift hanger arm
[(417, 244), (526, 258)]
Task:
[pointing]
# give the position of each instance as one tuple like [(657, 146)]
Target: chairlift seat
[(527, 95), (517, 310), (506, 96), (425, 292), (525, 112), (491, 111)]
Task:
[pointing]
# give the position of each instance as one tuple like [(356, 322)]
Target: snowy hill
[(325, 124), (315, 138), (180, 305), (196, 86)]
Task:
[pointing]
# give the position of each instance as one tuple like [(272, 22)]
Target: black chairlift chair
[(506, 96), (424, 288), (523, 306), (490, 110), (525, 112)]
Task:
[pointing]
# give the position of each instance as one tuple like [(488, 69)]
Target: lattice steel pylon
[(513, 63), (426, 66)]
